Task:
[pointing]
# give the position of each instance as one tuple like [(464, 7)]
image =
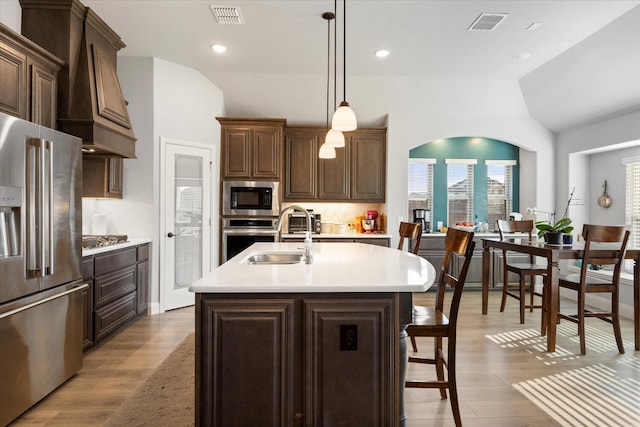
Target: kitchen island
[(305, 344)]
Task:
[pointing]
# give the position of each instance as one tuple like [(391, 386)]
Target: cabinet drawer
[(143, 253), (116, 260), (111, 286), (111, 316)]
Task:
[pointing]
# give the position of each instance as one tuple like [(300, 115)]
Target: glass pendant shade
[(334, 139), (344, 119), (327, 152)]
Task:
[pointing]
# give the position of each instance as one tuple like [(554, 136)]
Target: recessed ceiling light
[(534, 26), (381, 53), (218, 48), (522, 56)]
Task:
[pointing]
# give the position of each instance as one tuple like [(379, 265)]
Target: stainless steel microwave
[(254, 198)]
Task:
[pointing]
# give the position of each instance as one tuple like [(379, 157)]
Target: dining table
[(553, 254)]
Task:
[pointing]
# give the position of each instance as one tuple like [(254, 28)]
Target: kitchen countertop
[(337, 267), (108, 248), (338, 236)]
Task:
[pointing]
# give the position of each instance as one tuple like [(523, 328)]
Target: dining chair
[(524, 270), (437, 323), (603, 245), (410, 231)]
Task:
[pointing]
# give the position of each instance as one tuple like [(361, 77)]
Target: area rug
[(167, 396)]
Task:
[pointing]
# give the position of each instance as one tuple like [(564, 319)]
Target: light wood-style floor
[(505, 376)]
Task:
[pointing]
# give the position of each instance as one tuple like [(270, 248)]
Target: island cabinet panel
[(348, 342), (251, 148), (248, 371), (296, 359)]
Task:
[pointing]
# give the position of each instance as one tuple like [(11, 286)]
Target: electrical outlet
[(348, 337)]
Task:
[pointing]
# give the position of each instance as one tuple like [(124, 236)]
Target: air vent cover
[(227, 14), (487, 21)]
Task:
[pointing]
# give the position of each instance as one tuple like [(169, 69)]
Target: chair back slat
[(457, 242), (605, 245), (410, 231)]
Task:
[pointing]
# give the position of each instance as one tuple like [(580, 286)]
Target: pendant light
[(344, 119), (327, 151), (334, 138)]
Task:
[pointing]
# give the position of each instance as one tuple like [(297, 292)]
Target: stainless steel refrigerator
[(40, 257)]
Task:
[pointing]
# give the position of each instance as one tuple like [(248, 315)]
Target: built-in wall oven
[(240, 233), (250, 198)]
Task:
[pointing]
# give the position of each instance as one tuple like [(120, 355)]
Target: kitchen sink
[(274, 258)]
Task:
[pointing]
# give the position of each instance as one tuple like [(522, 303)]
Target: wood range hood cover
[(90, 100)]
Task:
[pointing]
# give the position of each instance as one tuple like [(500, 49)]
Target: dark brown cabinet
[(28, 79), (305, 359), (356, 174), (102, 176), (118, 290), (251, 148)]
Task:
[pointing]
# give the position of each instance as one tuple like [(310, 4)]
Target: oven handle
[(249, 231)]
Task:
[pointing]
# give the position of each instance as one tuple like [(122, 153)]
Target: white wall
[(574, 170), (166, 100)]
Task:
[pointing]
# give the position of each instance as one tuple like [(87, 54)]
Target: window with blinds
[(420, 185), (632, 204), (499, 190), (460, 190)]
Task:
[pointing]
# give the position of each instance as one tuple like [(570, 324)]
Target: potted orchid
[(553, 233)]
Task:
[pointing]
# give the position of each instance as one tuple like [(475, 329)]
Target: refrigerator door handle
[(39, 208), (46, 203)]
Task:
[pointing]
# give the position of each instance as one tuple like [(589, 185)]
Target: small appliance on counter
[(423, 217), (298, 222), (370, 223)]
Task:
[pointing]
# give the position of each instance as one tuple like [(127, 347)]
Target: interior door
[(187, 222)]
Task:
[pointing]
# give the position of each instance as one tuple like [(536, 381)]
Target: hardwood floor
[(505, 376)]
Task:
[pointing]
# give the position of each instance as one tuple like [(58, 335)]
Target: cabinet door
[(143, 287), (301, 157), (368, 165), (348, 361), (43, 95), (334, 175), (13, 82), (87, 303), (236, 152), (266, 153), (251, 341), (102, 176)]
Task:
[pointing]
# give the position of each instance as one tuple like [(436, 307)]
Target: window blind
[(420, 185)]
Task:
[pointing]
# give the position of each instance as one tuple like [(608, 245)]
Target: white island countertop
[(337, 267)]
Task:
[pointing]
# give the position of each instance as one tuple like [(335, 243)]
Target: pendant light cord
[(335, 60), (328, 65), (344, 51)]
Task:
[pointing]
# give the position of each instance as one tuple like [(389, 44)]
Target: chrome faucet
[(308, 255)]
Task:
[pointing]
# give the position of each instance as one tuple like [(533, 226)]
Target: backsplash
[(346, 213)]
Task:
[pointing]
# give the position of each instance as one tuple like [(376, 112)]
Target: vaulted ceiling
[(565, 81)]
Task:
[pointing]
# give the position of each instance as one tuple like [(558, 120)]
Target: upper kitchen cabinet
[(356, 174), (91, 104), (28, 79), (251, 148), (102, 176)]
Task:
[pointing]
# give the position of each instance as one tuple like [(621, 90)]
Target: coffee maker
[(423, 216)]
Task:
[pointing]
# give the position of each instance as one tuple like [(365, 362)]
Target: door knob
[(170, 234)]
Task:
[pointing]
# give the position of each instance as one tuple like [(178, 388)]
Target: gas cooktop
[(91, 241)]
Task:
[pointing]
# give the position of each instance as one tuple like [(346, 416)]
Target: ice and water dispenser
[(10, 205)]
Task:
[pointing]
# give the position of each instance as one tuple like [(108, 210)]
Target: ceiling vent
[(227, 14), (487, 21)]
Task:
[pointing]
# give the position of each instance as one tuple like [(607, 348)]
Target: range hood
[(90, 100)]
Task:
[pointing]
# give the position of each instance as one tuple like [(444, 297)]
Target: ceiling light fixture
[(334, 138), (344, 119), (381, 53), (328, 151), (218, 48)]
